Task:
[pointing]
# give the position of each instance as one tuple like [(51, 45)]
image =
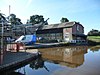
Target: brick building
[(68, 31)]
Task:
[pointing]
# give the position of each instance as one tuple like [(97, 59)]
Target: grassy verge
[(93, 40)]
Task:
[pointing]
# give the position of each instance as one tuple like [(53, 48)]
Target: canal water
[(76, 60)]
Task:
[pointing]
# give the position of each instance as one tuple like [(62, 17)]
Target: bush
[(94, 33)]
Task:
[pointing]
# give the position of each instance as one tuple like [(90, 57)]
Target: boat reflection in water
[(67, 56)]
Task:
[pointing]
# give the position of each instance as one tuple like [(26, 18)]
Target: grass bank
[(93, 40)]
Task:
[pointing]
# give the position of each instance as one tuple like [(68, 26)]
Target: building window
[(77, 27), (58, 35), (52, 36)]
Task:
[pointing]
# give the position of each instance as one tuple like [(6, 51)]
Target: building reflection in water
[(1, 59), (67, 56)]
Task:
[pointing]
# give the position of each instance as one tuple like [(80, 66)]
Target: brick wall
[(78, 29)]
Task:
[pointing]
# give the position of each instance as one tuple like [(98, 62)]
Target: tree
[(64, 20), (36, 19), (18, 21), (14, 20), (2, 16), (94, 32)]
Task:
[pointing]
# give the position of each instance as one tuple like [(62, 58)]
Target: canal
[(76, 60)]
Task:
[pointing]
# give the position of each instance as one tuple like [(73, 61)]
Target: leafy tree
[(64, 20), (14, 20), (35, 19), (2, 16), (18, 21), (94, 32)]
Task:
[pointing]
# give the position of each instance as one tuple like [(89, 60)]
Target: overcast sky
[(87, 12)]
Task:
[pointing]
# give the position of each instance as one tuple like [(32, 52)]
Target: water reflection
[(67, 56), (95, 48), (38, 63), (15, 73), (1, 59), (64, 61)]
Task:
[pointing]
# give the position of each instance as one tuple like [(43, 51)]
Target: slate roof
[(42, 27), (59, 25)]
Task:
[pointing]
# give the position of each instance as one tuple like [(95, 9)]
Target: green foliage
[(36, 19), (64, 20), (2, 17), (13, 20), (94, 32), (93, 37)]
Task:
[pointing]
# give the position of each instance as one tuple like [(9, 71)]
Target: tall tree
[(64, 20), (2, 17), (35, 19), (18, 21), (14, 20)]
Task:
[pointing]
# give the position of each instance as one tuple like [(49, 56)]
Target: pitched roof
[(40, 26), (59, 25)]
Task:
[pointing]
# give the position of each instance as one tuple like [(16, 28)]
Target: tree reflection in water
[(95, 48), (38, 63)]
